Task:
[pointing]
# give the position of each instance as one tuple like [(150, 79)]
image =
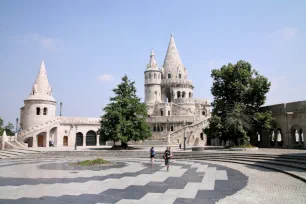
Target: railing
[(173, 118), (79, 120), (177, 81), (38, 127)]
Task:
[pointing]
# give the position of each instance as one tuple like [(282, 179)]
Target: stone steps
[(16, 153)]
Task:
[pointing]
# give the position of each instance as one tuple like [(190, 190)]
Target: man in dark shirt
[(167, 156)]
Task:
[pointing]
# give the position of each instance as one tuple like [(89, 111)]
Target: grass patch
[(92, 162), (244, 146)]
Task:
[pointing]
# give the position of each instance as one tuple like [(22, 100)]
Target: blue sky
[(89, 45)]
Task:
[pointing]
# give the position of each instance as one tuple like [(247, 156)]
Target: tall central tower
[(175, 83)]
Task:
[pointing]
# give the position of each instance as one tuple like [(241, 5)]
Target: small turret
[(152, 81), (40, 106)]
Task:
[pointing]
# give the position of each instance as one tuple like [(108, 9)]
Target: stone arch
[(178, 94), (196, 142), (180, 76), (65, 141), (79, 139), (183, 94), (169, 76), (295, 134), (91, 138)]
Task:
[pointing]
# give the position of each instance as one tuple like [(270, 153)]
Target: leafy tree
[(125, 117), (239, 92), (8, 128)]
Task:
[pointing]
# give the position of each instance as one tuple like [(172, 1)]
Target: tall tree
[(239, 92), (9, 128), (125, 117)]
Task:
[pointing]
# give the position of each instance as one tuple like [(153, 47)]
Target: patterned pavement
[(124, 181)]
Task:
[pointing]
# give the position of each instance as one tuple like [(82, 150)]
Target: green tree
[(9, 128), (239, 92), (125, 116)]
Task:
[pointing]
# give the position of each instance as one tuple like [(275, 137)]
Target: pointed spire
[(41, 88), (172, 59), (4, 133), (152, 64)]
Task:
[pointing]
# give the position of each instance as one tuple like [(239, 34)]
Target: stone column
[(98, 141), (84, 140), (47, 138), (34, 141)]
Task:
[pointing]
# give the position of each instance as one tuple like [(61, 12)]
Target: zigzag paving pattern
[(48, 180)]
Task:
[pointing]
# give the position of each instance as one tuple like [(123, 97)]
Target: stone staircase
[(183, 108), (24, 133), (179, 134), (15, 153)]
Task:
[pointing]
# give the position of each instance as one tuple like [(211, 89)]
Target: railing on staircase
[(178, 133), (28, 131)]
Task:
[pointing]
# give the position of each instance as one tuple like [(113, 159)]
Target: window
[(161, 128), (201, 136), (158, 129), (154, 75), (154, 129), (189, 94), (37, 111), (203, 113), (183, 94), (33, 92), (180, 76), (169, 76), (168, 112), (178, 94), (45, 111), (161, 113), (171, 128)]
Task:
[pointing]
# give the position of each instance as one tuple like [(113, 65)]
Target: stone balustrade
[(173, 118)]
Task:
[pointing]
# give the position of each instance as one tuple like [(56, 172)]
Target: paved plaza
[(55, 180)]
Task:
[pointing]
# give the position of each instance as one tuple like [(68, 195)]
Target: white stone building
[(40, 125), (173, 112), (174, 115)]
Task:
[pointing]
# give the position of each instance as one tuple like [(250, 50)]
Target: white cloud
[(105, 77), (289, 33), (51, 44)]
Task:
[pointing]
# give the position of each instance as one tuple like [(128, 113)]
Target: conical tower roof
[(4, 133), (152, 64), (41, 89), (173, 63)]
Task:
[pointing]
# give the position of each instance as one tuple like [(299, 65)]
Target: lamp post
[(184, 135), (17, 120), (76, 132), (61, 105)]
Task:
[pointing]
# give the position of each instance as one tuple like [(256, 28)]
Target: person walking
[(167, 157), (152, 155)]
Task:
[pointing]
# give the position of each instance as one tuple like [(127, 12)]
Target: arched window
[(201, 136), (189, 94), (171, 128), (180, 76), (154, 75), (158, 129), (168, 112), (161, 113), (183, 94), (169, 76), (154, 129), (33, 92), (203, 113), (37, 111), (45, 111), (149, 76), (91, 138), (178, 94), (161, 128)]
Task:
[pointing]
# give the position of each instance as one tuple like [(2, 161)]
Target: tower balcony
[(176, 83)]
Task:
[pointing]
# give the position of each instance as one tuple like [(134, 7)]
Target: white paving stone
[(190, 190)]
